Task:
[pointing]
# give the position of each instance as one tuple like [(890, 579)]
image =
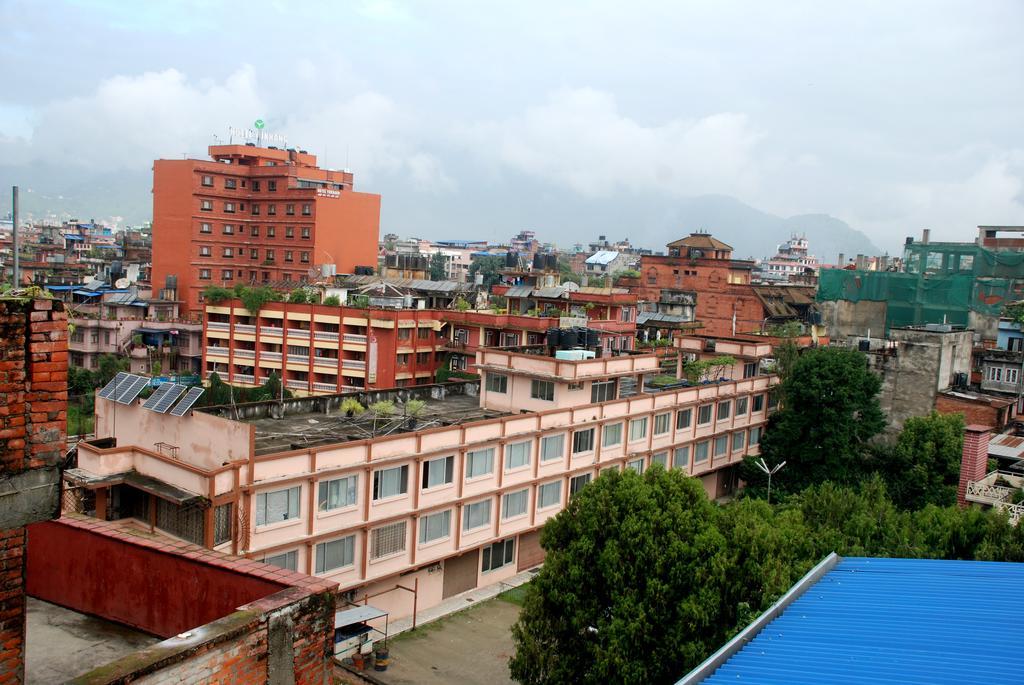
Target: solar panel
[(111, 388), (164, 397), (128, 395), (187, 401)]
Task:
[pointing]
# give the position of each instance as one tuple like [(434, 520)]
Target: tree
[(830, 412), (489, 266), (707, 370), (923, 467), (332, 301), (566, 273), (631, 586), (108, 366), (438, 267), (297, 296), (213, 294)]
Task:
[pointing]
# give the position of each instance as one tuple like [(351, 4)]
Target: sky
[(893, 116)]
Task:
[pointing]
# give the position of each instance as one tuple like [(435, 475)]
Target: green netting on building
[(931, 297)]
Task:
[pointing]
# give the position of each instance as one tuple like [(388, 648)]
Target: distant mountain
[(483, 207), (756, 234)]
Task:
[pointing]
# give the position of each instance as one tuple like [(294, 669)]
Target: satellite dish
[(122, 283)]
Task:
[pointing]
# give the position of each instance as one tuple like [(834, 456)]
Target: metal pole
[(14, 217), (769, 487), (415, 597)]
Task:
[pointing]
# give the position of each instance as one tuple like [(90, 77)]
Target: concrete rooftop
[(307, 429)]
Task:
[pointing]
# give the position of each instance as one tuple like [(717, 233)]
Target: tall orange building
[(255, 215)]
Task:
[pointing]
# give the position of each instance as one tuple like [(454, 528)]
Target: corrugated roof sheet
[(602, 257), (519, 291), (904, 621)]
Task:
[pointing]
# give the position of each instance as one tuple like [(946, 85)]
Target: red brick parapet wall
[(33, 417), (973, 459), (261, 624)]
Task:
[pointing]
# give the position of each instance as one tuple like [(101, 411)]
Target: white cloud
[(580, 139)]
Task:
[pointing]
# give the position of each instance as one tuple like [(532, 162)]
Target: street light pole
[(760, 463)]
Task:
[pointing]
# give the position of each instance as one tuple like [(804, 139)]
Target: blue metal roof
[(900, 621)]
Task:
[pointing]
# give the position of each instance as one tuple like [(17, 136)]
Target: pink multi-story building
[(444, 497)]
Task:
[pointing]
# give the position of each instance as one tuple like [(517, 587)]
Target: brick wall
[(973, 459), (33, 416), (980, 413)]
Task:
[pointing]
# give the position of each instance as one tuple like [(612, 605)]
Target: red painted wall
[(159, 592)]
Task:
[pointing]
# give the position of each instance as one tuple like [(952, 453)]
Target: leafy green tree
[(81, 381), (830, 413), (298, 296), (631, 587), (108, 366), (566, 272), (254, 298), (490, 266), (438, 272), (332, 301), (212, 294), (923, 467)]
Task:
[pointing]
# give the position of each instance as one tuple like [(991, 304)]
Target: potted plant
[(350, 406)]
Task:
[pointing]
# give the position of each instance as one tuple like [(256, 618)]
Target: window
[(230, 183), (271, 231), (227, 274), (271, 210), (552, 447), (638, 429), (208, 181), (661, 424), (741, 406), (228, 229), (479, 462), (476, 515), (254, 254), (636, 465), (681, 457), (497, 555), (404, 333), (583, 441), (289, 210), (517, 455), (576, 484), (387, 540), (435, 526), (270, 255), (724, 409), (660, 458), (307, 209), (255, 209), (228, 252), (304, 257), (229, 207), (279, 505), (205, 228), (602, 391), (422, 358), (390, 482), (721, 445), (1011, 374), (612, 435), (289, 231), (288, 256), (514, 504), (304, 232), (704, 414), (749, 369), (739, 440), (256, 186), (700, 453), (437, 472), (497, 382), (272, 186), (286, 560), (549, 494), (204, 250), (206, 205), (683, 418), (755, 436), (758, 403), (204, 274), (542, 390), (335, 554), (337, 493), (773, 400)]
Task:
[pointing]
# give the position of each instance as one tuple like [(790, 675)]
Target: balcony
[(325, 335), (355, 338), (245, 328), (218, 326), (997, 489), (298, 333), (245, 354), (270, 356), (325, 387), (331, 362), (244, 378), (297, 385), (217, 352), (271, 331), (355, 364)]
